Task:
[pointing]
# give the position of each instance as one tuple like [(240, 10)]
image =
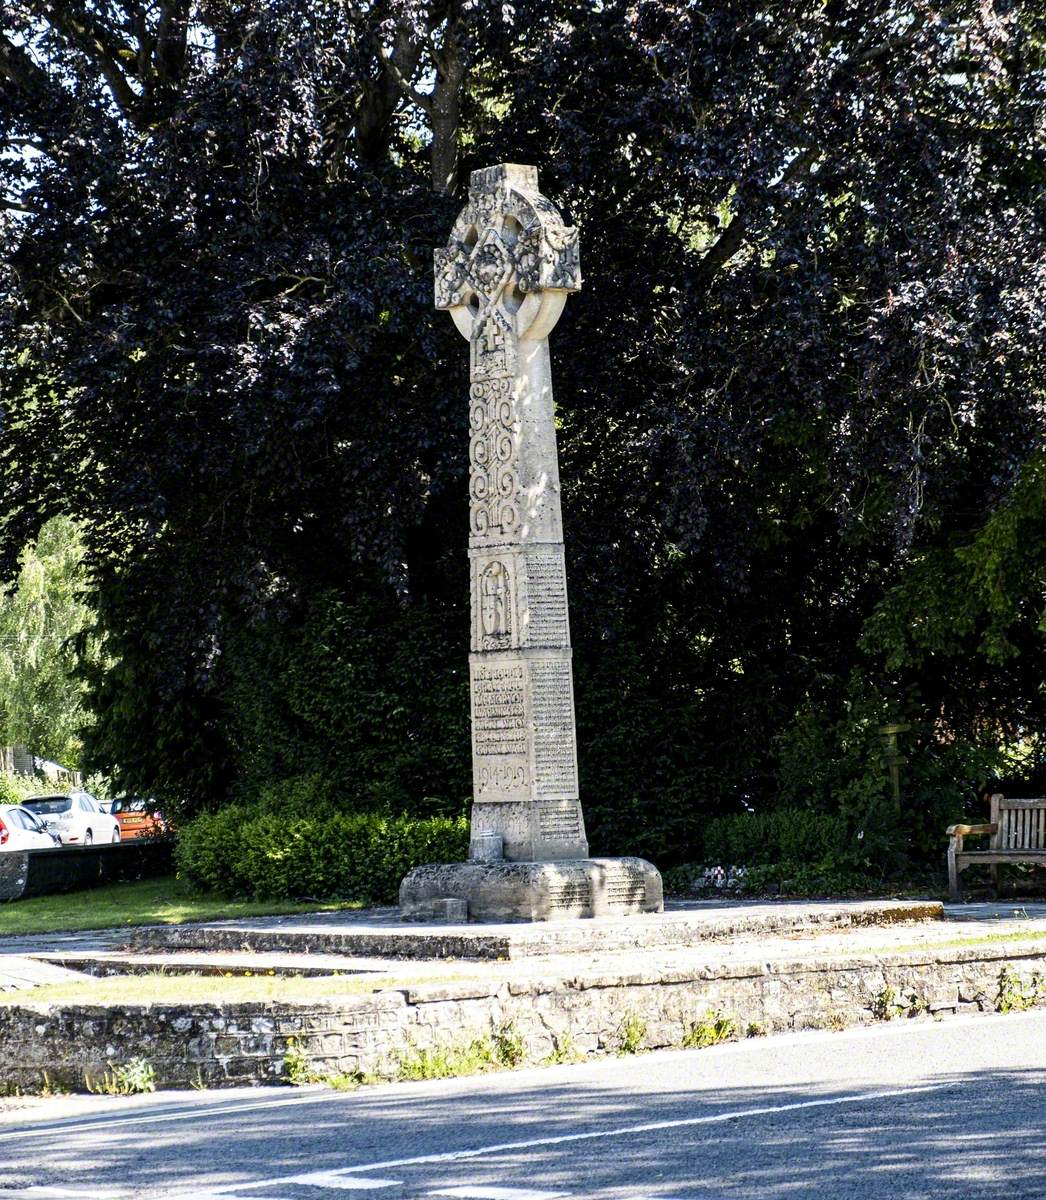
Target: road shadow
[(974, 1136)]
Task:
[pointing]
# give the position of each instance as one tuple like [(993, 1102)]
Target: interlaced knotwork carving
[(493, 477), (508, 233), (508, 244)]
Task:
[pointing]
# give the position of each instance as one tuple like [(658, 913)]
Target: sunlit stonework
[(504, 277)]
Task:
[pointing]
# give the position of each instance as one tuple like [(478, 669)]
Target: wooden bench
[(1018, 835)]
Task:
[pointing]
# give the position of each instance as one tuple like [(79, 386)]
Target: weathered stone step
[(18, 973), (380, 934), (103, 964)]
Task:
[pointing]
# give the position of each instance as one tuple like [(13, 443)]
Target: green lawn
[(160, 988), (166, 901)]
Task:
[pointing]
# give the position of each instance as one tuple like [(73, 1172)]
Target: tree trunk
[(445, 114)]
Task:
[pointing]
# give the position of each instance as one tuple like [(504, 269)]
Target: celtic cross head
[(508, 267)]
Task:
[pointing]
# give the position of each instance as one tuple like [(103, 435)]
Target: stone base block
[(533, 891)]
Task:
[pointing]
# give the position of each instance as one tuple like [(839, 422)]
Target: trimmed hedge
[(264, 852), (798, 835), (793, 851)]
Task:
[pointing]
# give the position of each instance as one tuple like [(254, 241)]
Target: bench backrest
[(1022, 824)]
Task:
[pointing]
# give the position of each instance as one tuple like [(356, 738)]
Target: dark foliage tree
[(799, 395)]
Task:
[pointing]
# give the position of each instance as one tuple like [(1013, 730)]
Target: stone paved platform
[(379, 933), (805, 975), (18, 973), (723, 935), (708, 956)]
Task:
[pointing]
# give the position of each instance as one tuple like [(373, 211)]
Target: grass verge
[(161, 988), (958, 943), (166, 901)]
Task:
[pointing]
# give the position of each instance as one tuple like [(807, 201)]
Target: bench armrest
[(970, 830)]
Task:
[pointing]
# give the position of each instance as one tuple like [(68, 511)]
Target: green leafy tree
[(43, 622)]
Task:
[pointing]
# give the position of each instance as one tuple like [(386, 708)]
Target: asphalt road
[(955, 1109)]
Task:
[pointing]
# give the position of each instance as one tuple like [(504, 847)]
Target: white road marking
[(589, 1136), (497, 1193), (331, 1179), (44, 1190)]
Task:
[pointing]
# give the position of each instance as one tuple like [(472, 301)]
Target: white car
[(76, 817), (22, 830)]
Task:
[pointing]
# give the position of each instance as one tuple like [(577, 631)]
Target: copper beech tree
[(800, 405)]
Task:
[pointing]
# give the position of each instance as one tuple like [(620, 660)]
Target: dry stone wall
[(216, 1046)]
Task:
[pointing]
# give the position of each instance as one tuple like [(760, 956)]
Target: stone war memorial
[(504, 278)]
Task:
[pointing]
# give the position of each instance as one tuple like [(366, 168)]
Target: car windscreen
[(49, 806)]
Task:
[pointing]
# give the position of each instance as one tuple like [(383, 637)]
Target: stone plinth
[(533, 891)]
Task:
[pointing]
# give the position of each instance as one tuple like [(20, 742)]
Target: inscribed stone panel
[(499, 727), (552, 706), (547, 623)]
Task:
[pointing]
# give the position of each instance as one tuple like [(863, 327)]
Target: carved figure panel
[(496, 614)]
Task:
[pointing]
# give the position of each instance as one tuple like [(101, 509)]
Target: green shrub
[(270, 850), (357, 678), (780, 835), (789, 878), (15, 788)]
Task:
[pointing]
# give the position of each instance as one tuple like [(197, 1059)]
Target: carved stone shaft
[(504, 277)]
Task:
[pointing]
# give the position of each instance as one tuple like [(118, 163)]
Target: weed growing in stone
[(918, 1005), (756, 1029), (299, 1071), (714, 1028), (1013, 996), (509, 1047), (447, 1062), (131, 1079), (563, 1051), (347, 1081), (631, 1033), (884, 1004), (297, 1067), (48, 1088)]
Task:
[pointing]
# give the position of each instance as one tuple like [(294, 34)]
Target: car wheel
[(116, 835), (88, 838)]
